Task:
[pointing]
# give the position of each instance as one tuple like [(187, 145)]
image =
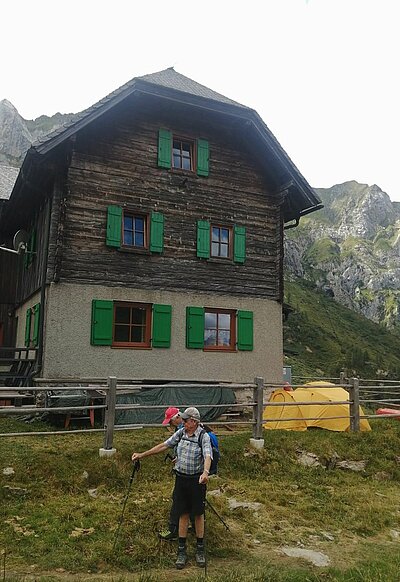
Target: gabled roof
[(300, 197), (173, 80)]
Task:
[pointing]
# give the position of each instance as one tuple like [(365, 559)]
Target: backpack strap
[(200, 441)]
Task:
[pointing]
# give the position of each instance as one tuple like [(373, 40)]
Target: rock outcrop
[(351, 250), (16, 136)]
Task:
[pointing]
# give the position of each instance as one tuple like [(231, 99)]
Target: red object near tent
[(389, 411)]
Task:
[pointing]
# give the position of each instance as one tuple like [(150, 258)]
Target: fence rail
[(102, 395)]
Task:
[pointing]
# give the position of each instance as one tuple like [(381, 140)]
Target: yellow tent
[(311, 392)]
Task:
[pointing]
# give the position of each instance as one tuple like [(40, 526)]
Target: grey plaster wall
[(68, 352)]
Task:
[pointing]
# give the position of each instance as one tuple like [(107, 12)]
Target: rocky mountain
[(351, 250), (16, 136)]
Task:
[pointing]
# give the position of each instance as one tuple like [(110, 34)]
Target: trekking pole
[(204, 538), (136, 467), (217, 514)]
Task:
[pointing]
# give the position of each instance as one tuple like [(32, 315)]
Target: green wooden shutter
[(164, 148), (157, 232), (102, 322), (195, 327), (114, 225), (239, 244), (203, 239), (245, 330), (28, 327), (36, 322), (27, 254), (203, 156), (162, 315), (30, 249)]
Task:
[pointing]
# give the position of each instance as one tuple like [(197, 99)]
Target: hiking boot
[(168, 535), (200, 557), (181, 558)]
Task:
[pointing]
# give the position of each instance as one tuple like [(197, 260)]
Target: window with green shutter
[(181, 153), (195, 327), (214, 329), (128, 229), (221, 241), (131, 325), (162, 315), (245, 330)]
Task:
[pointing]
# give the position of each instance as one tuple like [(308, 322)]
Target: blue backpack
[(214, 447)]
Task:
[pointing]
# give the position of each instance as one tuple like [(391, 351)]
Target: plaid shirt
[(190, 457)]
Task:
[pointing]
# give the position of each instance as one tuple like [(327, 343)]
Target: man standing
[(192, 467)]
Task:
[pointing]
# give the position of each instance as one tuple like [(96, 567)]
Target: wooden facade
[(115, 162)]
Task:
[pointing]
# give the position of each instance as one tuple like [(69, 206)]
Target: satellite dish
[(20, 241)]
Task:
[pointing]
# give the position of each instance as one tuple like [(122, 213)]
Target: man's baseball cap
[(190, 412), (169, 414)]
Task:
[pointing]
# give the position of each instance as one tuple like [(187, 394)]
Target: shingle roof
[(174, 80)]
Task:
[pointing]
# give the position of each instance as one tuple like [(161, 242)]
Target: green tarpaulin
[(180, 397)]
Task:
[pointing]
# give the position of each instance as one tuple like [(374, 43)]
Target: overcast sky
[(323, 74)]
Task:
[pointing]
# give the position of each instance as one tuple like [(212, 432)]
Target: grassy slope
[(329, 337), (348, 516)]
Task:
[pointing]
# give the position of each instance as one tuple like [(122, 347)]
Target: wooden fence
[(103, 394)]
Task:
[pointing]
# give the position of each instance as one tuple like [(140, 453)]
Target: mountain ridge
[(351, 250)]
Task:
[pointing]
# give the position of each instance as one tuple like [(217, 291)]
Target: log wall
[(114, 161)]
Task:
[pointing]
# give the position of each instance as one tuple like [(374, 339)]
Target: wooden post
[(258, 396), (109, 419), (354, 393), (342, 378)]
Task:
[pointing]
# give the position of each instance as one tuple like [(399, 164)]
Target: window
[(213, 329), (221, 242), (135, 230), (128, 229), (182, 153), (219, 329), (130, 325)]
